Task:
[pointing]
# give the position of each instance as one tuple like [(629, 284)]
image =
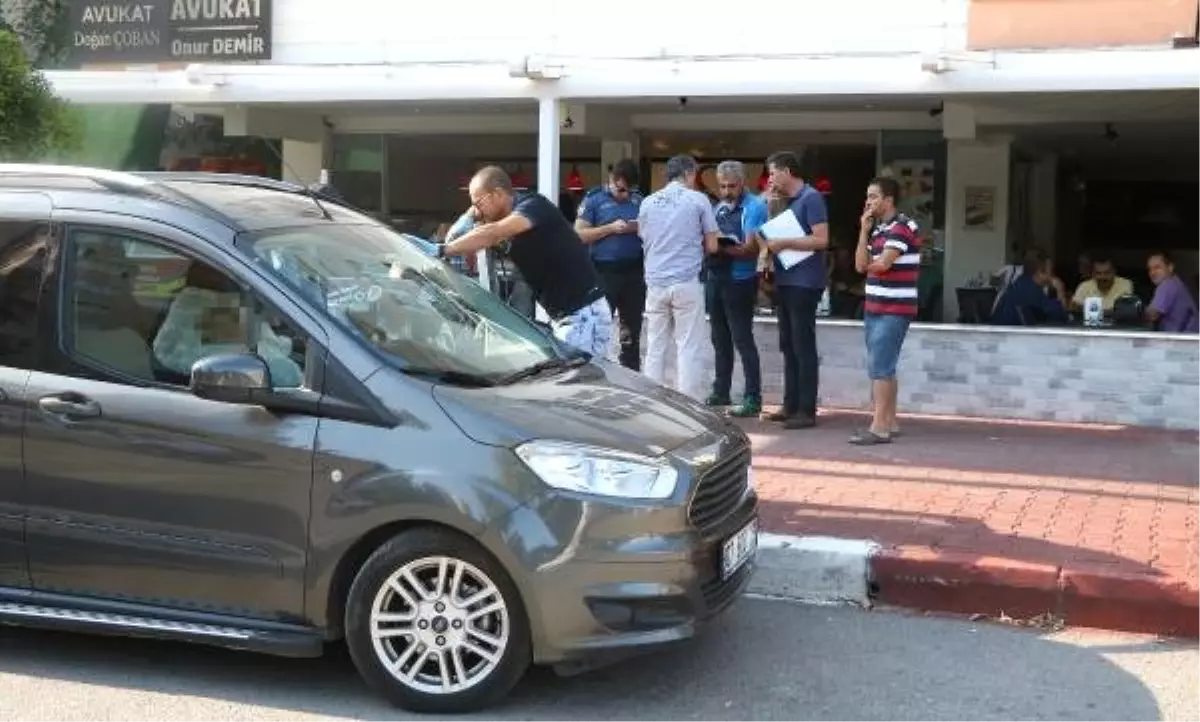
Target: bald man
[(548, 253)]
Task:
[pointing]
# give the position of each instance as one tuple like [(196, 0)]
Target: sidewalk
[(1085, 525)]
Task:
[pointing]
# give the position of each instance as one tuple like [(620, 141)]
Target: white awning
[(891, 75)]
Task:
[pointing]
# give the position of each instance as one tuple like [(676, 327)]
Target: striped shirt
[(894, 291)]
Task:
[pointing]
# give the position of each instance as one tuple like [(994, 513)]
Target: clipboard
[(786, 225)]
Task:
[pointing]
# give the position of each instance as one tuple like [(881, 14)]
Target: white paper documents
[(786, 225)]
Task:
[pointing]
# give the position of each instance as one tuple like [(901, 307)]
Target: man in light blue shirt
[(678, 227), (731, 289)]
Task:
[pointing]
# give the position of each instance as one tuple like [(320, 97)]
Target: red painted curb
[(1098, 597), (1092, 596), (964, 583)]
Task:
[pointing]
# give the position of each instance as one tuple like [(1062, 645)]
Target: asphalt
[(768, 660)]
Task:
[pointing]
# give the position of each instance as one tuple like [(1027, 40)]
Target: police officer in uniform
[(607, 222)]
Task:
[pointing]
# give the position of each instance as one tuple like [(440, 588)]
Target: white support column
[(302, 161), (977, 237), (549, 127), (1043, 204), (549, 121)]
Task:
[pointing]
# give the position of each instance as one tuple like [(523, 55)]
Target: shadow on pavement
[(1118, 454), (766, 660), (961, 535)]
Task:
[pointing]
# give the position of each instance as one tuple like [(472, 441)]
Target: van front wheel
[(435, 625)]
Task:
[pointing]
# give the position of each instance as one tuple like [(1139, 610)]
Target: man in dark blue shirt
[(607, 222), (1025, 301), (798, 290)]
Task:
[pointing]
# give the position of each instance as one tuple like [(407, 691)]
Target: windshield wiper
[(551, 364), (449, 376)]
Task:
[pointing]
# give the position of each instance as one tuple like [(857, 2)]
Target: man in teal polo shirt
[(731, 289)]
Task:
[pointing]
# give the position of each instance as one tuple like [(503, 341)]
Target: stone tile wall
[(1141, 379)]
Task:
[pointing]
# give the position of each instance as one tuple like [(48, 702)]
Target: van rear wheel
[(435, 625)]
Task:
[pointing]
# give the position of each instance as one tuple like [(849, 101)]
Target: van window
[(148, 312), (22, 260), (380, 286)]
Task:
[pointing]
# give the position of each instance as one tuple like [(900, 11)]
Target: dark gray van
[(231, 413)]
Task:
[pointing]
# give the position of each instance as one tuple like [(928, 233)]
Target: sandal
[(866, 437)]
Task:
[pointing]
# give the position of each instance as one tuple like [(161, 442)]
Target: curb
[(828, 570), (814, 569)]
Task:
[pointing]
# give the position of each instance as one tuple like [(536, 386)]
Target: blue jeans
[(588, 329), (884, 334), (731, 315)]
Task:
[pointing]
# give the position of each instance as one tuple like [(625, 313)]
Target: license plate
[(739, 549)]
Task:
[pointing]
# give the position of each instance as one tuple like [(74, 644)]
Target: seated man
[(1104, 283), (1026, 302), (1172, 309), (207, 317)]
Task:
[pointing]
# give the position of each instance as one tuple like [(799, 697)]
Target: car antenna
[(322, 180)]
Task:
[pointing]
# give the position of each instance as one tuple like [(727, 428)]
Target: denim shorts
[(884, 336)]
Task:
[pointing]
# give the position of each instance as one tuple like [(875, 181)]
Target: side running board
[(139, 621)]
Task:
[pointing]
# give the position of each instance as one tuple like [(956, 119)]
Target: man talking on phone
[(889, 252)]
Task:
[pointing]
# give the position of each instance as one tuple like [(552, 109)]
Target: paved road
[(769, 660)]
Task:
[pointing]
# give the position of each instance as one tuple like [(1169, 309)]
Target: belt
[(595, 294)]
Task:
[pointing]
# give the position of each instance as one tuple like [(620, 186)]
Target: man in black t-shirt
[(548, 253)]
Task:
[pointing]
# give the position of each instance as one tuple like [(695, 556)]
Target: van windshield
[(416, 308)]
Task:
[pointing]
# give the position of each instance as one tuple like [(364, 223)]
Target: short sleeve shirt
[(809, 207), (552, 259), (1175, 306), (672, 224), (600, 208)]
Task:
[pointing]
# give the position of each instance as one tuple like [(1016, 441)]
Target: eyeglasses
[(475, 202)]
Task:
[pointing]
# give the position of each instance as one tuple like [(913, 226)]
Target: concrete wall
[(995, 24), (1141, 379), (316, 31)]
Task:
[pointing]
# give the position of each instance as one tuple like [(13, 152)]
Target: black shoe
[(800, 421)]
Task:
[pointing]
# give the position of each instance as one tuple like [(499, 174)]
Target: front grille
[(720, 491)]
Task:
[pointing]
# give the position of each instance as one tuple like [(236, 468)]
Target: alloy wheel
[(439, 625)]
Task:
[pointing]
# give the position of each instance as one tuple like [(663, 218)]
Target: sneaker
[(776, 416), (718, 400), (750, 407)]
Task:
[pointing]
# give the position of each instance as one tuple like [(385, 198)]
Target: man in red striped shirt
[(889, 253)]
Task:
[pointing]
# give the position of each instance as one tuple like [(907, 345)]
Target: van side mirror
[(232, 378)]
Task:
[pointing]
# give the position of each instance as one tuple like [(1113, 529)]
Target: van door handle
[(70, 405)]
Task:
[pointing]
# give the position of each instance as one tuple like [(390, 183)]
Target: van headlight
[(594, 470)]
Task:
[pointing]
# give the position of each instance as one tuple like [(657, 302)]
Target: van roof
[(243, 203)]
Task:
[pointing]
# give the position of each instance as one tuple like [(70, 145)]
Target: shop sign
[(166, 31)]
